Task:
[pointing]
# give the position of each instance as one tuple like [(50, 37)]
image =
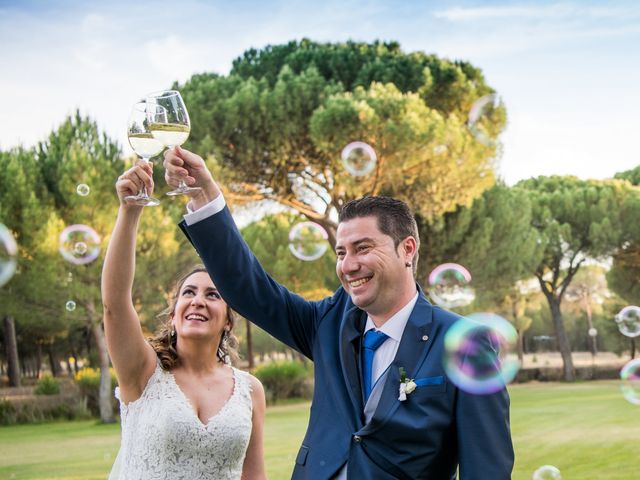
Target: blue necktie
[(371, 341)]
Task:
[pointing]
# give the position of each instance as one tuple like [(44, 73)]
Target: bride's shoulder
[(255, 387)]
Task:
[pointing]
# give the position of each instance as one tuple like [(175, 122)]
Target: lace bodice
[(163, 438)]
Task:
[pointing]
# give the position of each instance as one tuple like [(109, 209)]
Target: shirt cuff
[(214, 206)]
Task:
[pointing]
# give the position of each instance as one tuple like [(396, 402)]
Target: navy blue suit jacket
[(427, 436)]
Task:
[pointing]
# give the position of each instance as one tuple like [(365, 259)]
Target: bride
[(186, 412)]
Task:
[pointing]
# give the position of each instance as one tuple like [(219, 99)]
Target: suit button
[(357, 438)]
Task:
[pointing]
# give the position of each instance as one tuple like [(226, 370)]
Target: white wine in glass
[(145, 145), (170, 134), (170, 125)]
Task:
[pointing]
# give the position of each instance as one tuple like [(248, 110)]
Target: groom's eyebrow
[(357, 242)]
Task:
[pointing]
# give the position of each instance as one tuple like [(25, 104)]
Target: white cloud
[(536, 12), (508, 11)]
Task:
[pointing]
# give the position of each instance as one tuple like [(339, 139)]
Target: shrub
[(8, 413), (282, 380), (47, 385), (41, 409), (88, 380)]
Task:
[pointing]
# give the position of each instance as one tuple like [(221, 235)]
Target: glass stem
[(143, 192)]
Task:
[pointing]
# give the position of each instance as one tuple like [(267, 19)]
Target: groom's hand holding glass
[(181, 165)]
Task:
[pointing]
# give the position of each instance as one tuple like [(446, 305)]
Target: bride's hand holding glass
[(136, 179), (145, 146)]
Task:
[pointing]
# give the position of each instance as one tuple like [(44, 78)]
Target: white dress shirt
[(214, 206), (393, 328)]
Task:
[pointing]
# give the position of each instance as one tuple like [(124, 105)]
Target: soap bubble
[(438, 149), (83, 189), (547, 472), (628, 320), (449, 286), (79, 244), (8, 255), (359, 158), (480, 353), (480, 116), (70, 305), (308, 241), (630, 376)]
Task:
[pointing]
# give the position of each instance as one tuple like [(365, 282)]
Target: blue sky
[(569, 72)]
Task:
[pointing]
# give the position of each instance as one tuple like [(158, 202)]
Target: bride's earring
[(224, 347)]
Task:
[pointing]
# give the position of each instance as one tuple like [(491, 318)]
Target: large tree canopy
[(576, 220), (278, 123), (624, 275), (493, 239)]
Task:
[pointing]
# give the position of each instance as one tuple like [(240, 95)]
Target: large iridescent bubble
[(479, 116), (449, 286), (8, 255), (359, 158), (628, 321), (308, 241), (630, 376), (480, 353), (79, 244)]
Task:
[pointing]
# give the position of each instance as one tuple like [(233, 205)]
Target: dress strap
[(243, 382)]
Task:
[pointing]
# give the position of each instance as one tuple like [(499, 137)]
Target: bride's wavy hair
[(165, 339)]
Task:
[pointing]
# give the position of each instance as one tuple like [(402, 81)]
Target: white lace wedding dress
[(163, 438)]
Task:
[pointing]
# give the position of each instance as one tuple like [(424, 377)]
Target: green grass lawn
[(587, 430)]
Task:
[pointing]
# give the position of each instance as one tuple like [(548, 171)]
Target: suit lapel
[(411, 353), (350, 334)]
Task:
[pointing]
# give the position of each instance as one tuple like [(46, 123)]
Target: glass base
[(142, 199), (183, 190)]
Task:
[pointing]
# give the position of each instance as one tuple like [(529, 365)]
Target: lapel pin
[(425, 338)]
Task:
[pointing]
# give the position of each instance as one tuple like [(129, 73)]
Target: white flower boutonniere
[(407, 385)]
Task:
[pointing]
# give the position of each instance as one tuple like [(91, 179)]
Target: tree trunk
[(633, 348), (53, 362), (104, 396), (561, 338), (13, 363), (38, 358), (593, 340), (249, 346), (74, 356), (521, 347)]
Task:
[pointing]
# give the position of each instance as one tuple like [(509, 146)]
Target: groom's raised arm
[(236, 272)]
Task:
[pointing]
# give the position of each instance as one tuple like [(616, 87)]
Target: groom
[(377, 325)]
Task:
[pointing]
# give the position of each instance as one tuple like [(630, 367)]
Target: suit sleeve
[(247, 288), (483, 431)]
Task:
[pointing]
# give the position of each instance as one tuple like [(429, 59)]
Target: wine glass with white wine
[(145, 145), (171, 126)]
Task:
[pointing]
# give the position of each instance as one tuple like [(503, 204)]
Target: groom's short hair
[(394, 218)]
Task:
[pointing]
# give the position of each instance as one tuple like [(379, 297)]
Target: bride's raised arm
[(132, 357)]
